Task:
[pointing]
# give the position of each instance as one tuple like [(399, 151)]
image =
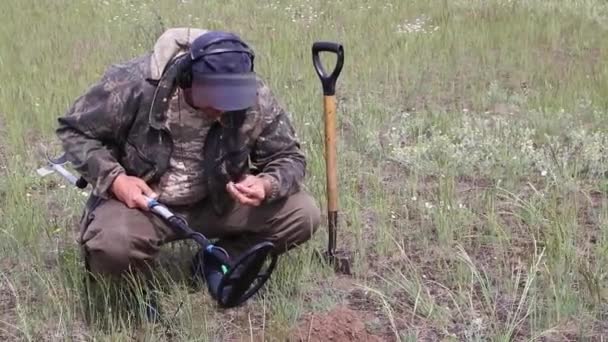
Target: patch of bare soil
[(432, 263), (339, 325), (564, 57)]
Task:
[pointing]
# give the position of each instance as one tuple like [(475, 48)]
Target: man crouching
[(191, 125)]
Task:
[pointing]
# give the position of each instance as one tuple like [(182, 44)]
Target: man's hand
[(131, 190), (250, 191)]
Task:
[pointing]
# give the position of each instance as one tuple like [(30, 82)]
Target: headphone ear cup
[(251, 55)]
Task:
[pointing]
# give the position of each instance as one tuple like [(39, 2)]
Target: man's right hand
[(131, 190)]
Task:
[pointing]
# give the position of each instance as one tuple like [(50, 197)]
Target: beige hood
[(169, 45)]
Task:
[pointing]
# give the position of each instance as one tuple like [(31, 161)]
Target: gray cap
[(222, 72)]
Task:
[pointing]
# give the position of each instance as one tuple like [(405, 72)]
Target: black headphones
[(184, 63)]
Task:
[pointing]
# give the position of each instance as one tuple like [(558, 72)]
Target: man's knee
[(304, 220), (108, 254), (115, 252), (309, 214), (116, 242)]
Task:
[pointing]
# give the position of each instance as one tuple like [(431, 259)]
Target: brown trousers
[(119, 239)]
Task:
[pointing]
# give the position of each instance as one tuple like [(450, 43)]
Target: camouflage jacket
[(119, 125)]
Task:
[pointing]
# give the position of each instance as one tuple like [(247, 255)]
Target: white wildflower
[(418, 25)]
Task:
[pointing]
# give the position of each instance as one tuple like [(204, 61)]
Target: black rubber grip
[(81, 183), (328, 81)]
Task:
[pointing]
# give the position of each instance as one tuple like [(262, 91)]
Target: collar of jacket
[(165, 88)]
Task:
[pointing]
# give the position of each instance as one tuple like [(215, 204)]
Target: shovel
[(341, 260)]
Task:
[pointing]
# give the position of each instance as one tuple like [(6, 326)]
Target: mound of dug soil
[(338, 325)]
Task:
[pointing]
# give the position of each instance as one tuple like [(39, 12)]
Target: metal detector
[(230, 282)]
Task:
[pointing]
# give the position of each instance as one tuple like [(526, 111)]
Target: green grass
[(472, 156)]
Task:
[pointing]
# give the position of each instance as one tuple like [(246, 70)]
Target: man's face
[(211, 113), (208, 112)]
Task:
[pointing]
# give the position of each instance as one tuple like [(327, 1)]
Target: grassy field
[(473, 158)]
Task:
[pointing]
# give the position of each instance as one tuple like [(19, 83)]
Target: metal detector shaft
[(176, 223), (65, 173), (157, 208), (179, 225)]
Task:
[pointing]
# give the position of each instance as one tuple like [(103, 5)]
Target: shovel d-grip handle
[(328, 80)]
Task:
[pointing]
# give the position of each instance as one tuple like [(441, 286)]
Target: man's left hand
[(250, 191)]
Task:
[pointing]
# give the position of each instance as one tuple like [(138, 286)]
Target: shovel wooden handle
[(329, 104), (328, 82)]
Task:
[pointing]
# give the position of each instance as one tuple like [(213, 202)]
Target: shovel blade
[(340, 260)]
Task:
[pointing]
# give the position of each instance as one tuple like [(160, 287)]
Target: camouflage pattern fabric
[(120, 125), (183, 183)]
